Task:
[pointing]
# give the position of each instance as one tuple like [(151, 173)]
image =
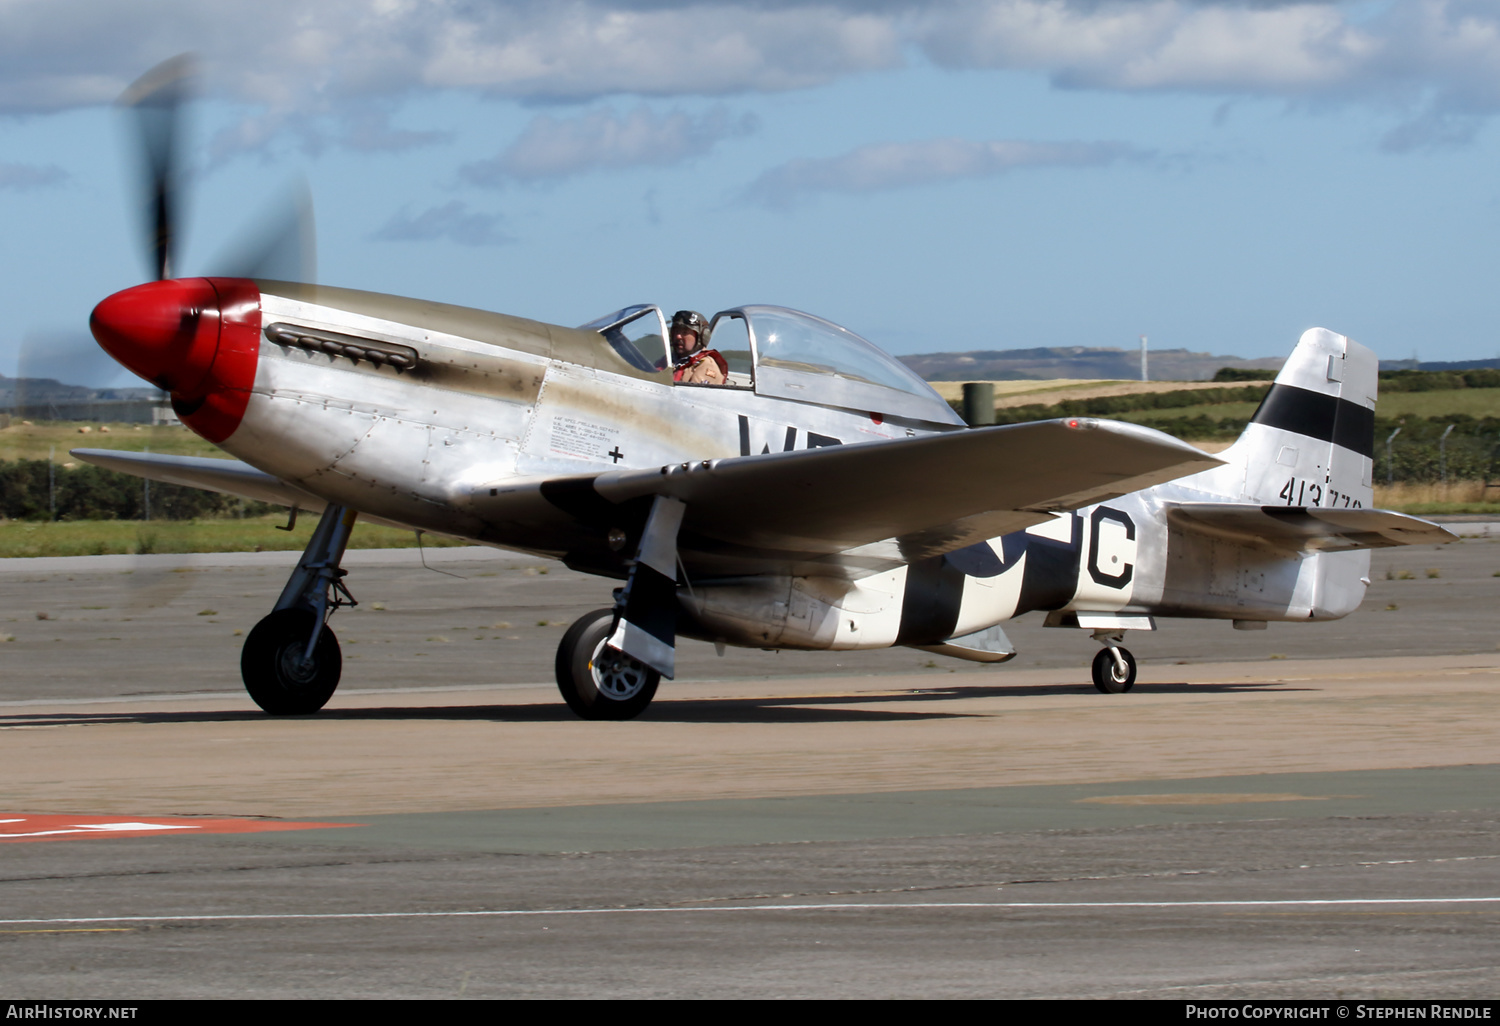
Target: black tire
[(273, 671), (1107, 674), (599, 683)]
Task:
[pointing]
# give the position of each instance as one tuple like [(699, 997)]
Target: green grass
[(1476, 402), (253, 534), (1427, 509), (1216, 411)]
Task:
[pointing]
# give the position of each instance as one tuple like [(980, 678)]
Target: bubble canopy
[(787, 354), (806, 358)]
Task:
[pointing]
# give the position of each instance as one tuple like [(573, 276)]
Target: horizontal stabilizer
[(1307, 529)]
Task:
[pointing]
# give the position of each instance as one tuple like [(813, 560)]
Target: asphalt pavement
[(1304, 812)]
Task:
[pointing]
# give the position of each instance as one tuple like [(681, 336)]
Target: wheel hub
[(294, 668), (618, 676)]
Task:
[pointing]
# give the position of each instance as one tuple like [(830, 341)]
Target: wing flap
[(1308, 529)]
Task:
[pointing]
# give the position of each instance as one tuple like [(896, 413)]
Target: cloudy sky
[(1216, 174)]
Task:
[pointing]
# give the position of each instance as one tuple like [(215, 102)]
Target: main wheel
[(277, 677), (1107, 675), (597, 682)]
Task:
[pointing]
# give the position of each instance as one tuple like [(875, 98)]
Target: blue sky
[(984, 174)]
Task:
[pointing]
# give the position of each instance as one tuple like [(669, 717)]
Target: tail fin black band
[(1320, 416)]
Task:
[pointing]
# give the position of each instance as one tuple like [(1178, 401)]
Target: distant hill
[(1047, 363), (48, 390)]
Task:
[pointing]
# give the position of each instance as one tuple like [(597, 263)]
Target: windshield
[(636, 335)]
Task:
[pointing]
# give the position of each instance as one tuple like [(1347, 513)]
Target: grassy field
[(253, 534), (1475, 402), (34, 441), (257, 534), (1454, 497), (1055, 390), (1214, 411)]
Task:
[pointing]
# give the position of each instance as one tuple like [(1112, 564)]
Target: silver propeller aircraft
[(821, 497)]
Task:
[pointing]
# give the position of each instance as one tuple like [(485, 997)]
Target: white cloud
[(1425, 58), (361, 126), (56, 54), (895, 165), (557, 147), (452, 221), (1434, 63), (1156, 44)]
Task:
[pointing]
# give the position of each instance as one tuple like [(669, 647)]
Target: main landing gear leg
[(1114, 666), (291, 661), (610, 661)]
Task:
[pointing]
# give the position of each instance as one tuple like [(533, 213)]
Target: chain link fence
[(1419, 453)]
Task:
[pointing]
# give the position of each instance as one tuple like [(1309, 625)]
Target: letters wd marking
[(17, 828)]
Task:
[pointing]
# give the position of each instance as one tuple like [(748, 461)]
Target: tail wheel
[(597, 682), (279, 677), (1107, 676)]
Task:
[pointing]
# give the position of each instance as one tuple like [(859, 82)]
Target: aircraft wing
[(1308, 529), (232, 477), (930, 495)]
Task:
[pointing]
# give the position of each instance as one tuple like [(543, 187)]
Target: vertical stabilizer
[(1310, 444), (1312, 440)]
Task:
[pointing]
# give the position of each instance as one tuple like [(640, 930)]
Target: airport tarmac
[(1308, 811)]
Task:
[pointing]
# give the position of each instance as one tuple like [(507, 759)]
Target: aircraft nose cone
[(165, 331)]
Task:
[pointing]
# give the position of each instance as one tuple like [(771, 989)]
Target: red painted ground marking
[(17, 827)]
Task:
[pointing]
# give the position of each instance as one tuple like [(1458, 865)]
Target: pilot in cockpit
[(692, 362)]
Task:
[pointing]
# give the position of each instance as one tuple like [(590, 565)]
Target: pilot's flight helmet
[(693, 321)]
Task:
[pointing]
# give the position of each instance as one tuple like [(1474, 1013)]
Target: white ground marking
[(810, 907), (94, 828)]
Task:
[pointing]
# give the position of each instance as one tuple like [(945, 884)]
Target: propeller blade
[(283, 244), (157, 98)]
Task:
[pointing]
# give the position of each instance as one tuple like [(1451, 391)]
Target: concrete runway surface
[(1308, 811)]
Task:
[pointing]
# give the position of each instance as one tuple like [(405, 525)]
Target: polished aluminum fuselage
[(494, 402)]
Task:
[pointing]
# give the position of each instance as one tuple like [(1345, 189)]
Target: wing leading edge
[(231, 477), (871, 505)]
